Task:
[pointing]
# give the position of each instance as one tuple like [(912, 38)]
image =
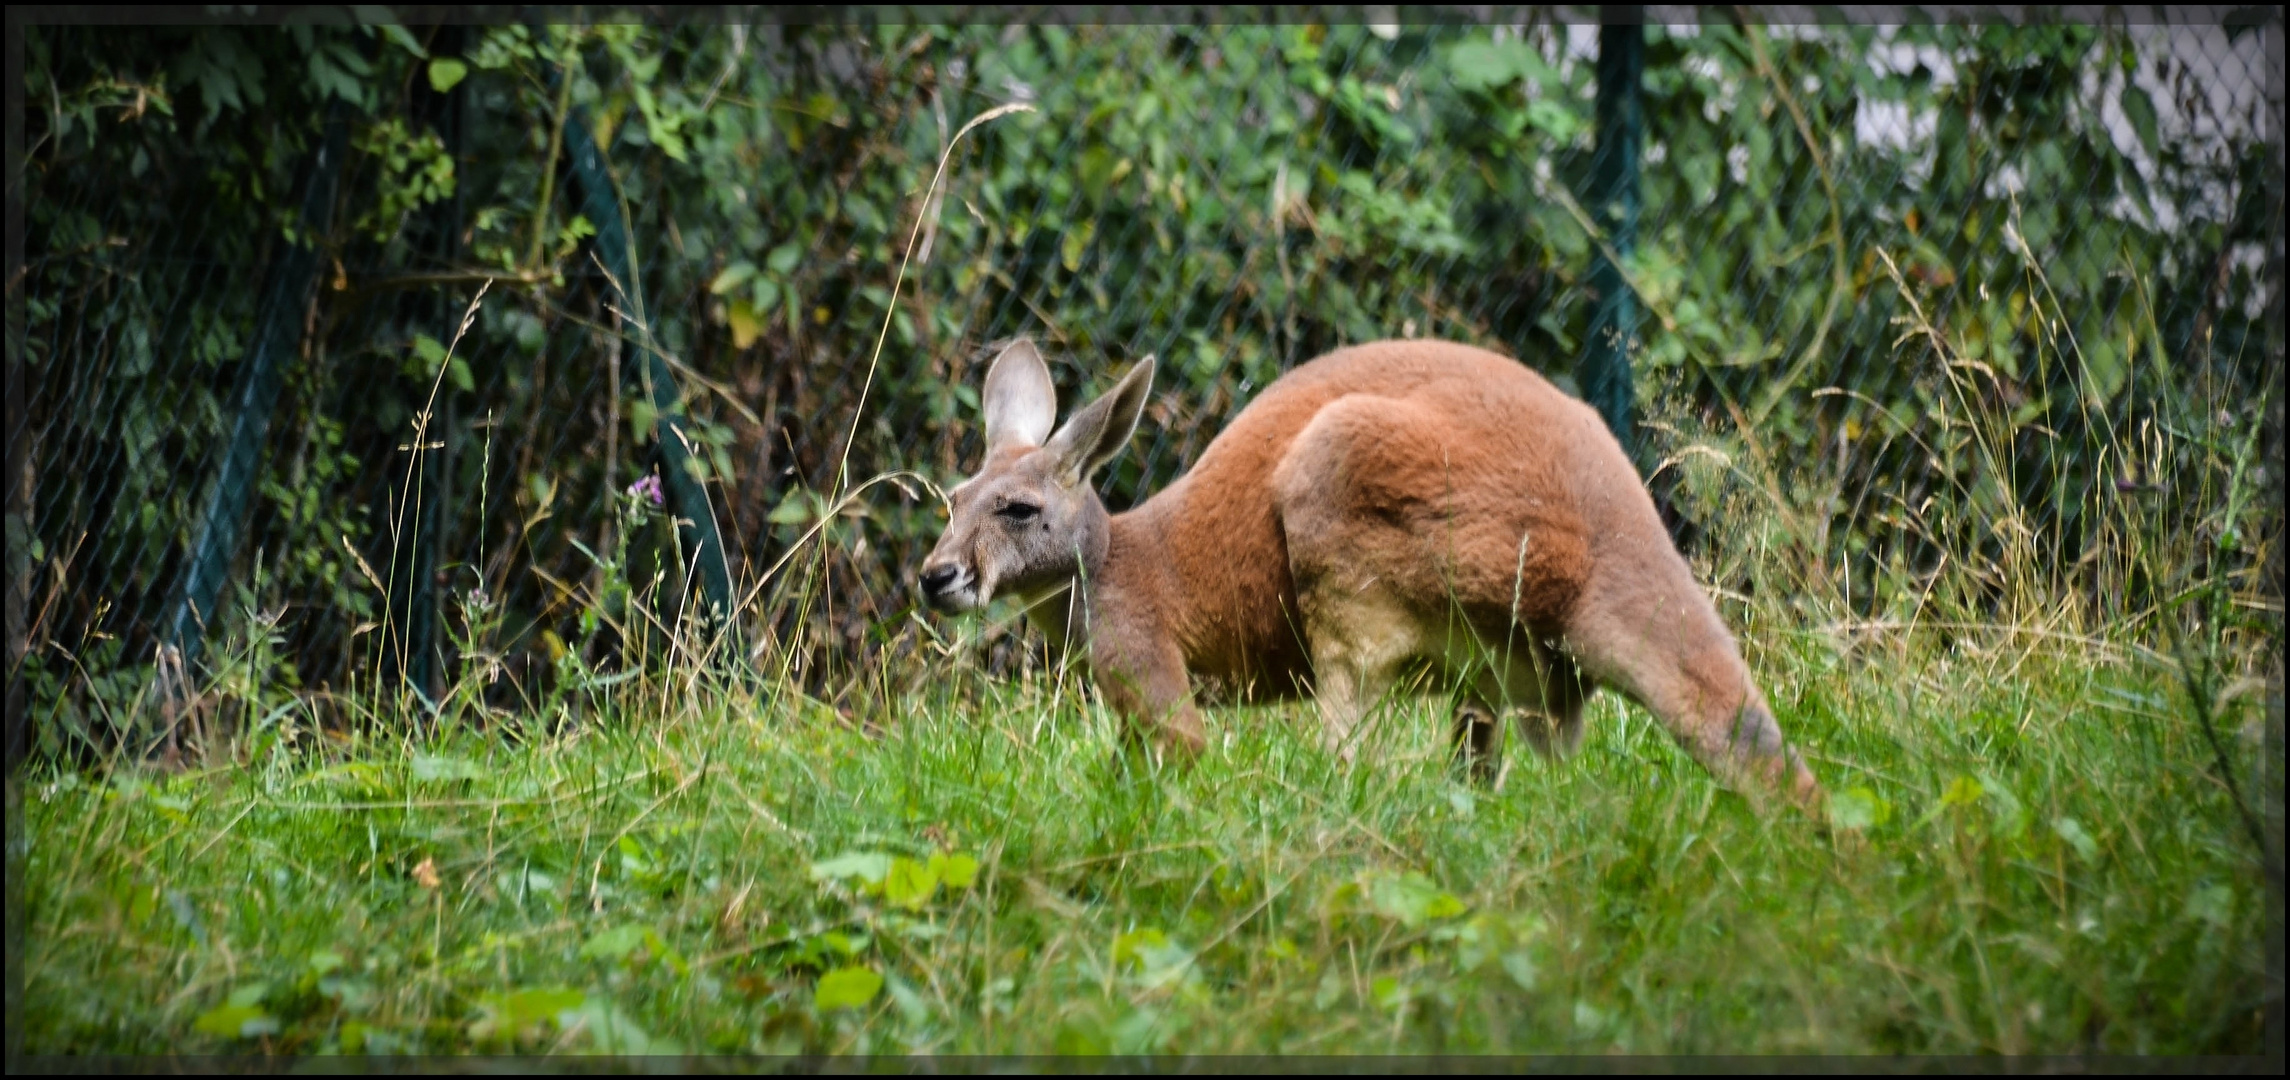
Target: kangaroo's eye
[(1019, 511)]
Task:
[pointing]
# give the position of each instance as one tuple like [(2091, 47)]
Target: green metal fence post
[(278, 330), (697, 528), (1604, 371), (424, 662)]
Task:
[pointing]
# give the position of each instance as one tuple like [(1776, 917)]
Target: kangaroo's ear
[(1021, 403), (1096, 433)]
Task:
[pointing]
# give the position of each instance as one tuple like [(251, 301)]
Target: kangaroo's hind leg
[(1541, 684)]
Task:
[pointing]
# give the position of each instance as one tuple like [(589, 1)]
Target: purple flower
[(648, 487)]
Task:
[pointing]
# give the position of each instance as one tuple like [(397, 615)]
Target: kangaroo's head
[(1028, 522)]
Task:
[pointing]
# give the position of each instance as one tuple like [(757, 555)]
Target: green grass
[(2044, 863)]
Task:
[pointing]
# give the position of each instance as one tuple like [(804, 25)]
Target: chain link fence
[(259, 441)]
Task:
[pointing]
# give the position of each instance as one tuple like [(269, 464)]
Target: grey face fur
[(1028, 521)]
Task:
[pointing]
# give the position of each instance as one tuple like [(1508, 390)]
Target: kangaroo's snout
[(935, 579), (945, 586)]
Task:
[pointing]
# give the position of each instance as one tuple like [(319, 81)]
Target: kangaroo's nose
[(935, 579)]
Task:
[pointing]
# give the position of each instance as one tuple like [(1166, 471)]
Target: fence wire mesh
[(1837, 222)]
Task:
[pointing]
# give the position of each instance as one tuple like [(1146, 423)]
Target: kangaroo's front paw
[(1478, 741), (1181, 736)]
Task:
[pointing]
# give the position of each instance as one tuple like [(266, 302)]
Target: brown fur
[(1381, 509)]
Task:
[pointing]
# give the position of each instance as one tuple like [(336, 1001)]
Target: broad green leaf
[(666, 952), (957, 871), (1411, 898), (354, 994), (912, 1008), (2140, 110), (236, 1022), (325, 962), (846, 988), (1129, 948), (179, 903), (909, 884), (2004, 811), (1554, 119), (1588, 1017), (397, 34), (747, 323), (862, 213), (634, 858), (616, 943), (2212, 904), (911, 929), (1478, 65), (868, 866), (1462, 801), (732, 277), (502, 1017), (1962, 791), (1858, 808), (720, 461), (2107, 369), (796, 509), (530, 334), (837, 942), (1521, 968), (1143, 1031), (2072, 831), (446, 72), (1342, 899), (1075, 1039), (610, 1031), (1157, 960), (429, 767), (526, 1006)]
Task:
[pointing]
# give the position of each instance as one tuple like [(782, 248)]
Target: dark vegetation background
[(1965, 314)]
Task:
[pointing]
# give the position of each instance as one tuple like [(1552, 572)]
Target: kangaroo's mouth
[(950, 589)]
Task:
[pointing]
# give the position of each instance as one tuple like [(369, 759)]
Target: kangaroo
[(1385, 509)]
